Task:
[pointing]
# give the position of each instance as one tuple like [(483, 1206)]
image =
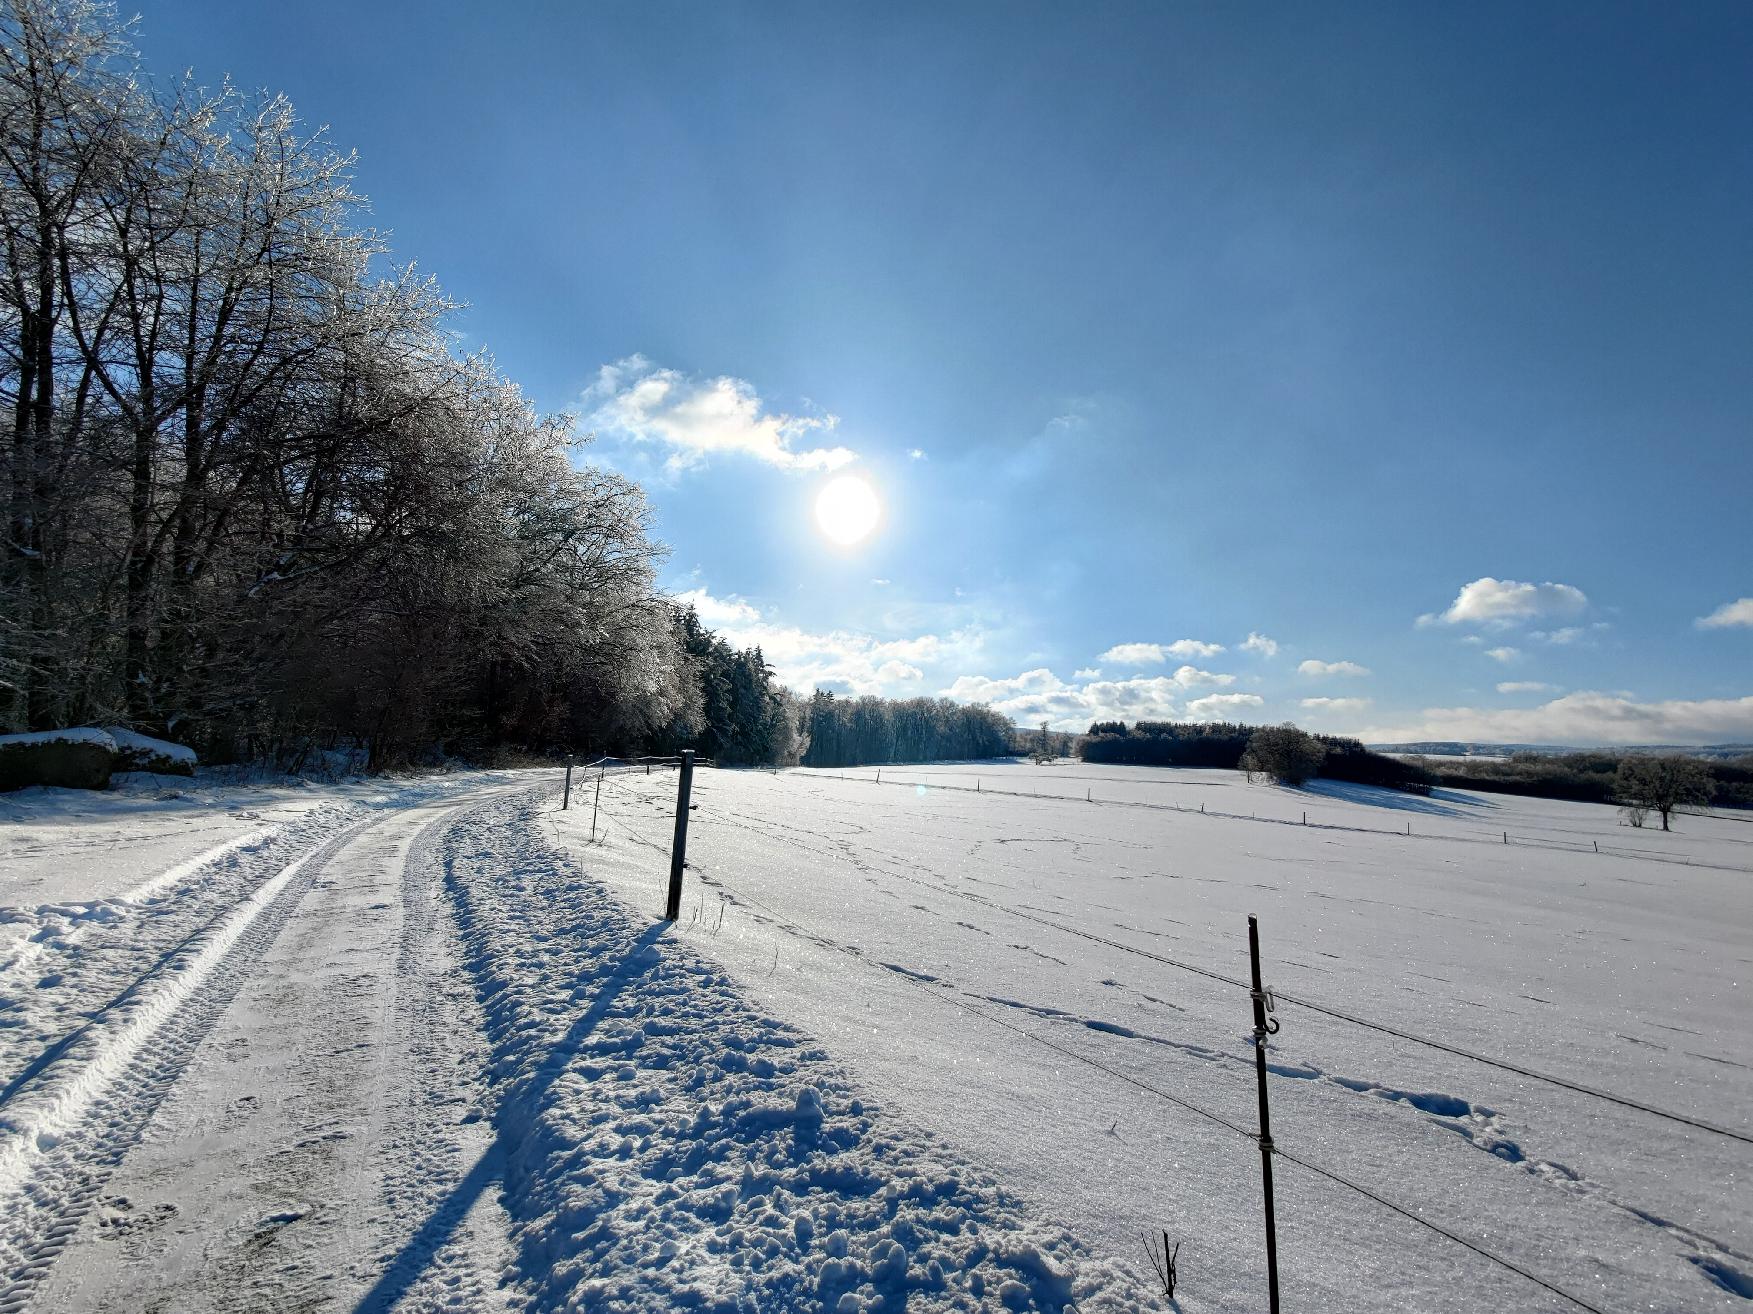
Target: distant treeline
[(868, 731), (1586, 777), (1222, 743)]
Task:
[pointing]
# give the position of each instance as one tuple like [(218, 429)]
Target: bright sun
[(847, 509)]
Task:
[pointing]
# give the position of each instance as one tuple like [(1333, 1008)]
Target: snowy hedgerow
[(74, 759)]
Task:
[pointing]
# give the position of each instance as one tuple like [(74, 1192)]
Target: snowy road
[(282, 1093), (392, 1048)]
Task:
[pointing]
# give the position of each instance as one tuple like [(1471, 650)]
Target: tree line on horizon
[(1639, 782), (868, 731), (1226, 744)]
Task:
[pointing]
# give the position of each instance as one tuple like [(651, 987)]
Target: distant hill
[(1467, 748)]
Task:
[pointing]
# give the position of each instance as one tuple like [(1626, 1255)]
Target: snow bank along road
[(393, 1047), (1011, 968)]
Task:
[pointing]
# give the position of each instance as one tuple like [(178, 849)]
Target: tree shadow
[(1440, 802), (515, 1114)]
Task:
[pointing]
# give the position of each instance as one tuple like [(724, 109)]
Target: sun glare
[(847, 509)]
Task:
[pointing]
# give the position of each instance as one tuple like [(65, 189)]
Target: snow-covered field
[(426, 1045)]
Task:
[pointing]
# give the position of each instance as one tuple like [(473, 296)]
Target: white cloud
[(985, 689), (1193, 648), (1039, 695), (1336, 704), (1526, 686), (716, 613), (1087, 673), (1585, 718), (1313, 667), (916, 454), (1152, 654), (882, 581), (1261, 644), (695, 416), (1505, 655), (1220, 707), (1134, 654), (1736, 613), (846, 660), (1500, 602), (1191, 677)]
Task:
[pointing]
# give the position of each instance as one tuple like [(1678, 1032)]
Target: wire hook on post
[(1264, 1026)]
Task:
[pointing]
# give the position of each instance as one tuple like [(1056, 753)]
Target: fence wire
[(1410, 1213)]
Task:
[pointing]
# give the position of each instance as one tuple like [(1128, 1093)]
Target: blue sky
[(1150, 324)]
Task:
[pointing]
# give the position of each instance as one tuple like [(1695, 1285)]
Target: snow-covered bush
[(1284, 753), (138, 752), (73, 759)]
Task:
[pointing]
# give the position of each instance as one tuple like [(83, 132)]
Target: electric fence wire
[(1404, 1211), (1278, 1149), (1503, 1065)]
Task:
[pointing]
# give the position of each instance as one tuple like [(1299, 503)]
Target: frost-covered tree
[(253, 497), (1286, 754), (1663, 784)]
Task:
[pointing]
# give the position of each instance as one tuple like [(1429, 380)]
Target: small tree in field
[(1283, 752), (1667, 785)]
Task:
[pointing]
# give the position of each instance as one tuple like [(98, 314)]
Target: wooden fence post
[(679, 848)]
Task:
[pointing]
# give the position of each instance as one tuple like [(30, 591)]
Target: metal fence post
[(679, 848), (566, 801), (596, 804), (1262, 1029)]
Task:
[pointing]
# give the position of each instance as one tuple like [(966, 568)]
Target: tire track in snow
[(437, 1126), (91, 954), (72, 1122), (60, 923)]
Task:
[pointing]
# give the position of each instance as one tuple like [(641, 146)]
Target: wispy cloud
[(1087, 673), (1526, 686), (1568, 635), (1585, 718), (694, 417), (1502, 602), (1506, 654), (1261, 644), (1335, 704), (1738, 613), (1317, 668)]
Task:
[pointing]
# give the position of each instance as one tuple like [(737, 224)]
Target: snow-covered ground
[(956, 1040), (991, 963)]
